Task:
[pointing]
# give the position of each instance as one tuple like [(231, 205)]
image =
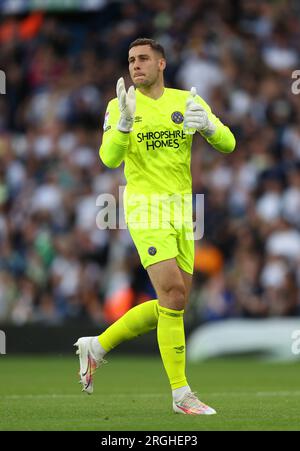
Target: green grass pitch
[(132, 393)]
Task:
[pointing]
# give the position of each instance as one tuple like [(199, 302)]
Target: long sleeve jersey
[(157, 153)]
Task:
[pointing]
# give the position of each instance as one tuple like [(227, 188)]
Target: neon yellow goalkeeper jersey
[(157, 153)]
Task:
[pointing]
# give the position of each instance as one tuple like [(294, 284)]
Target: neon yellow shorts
[(155, 245), (161, 226)]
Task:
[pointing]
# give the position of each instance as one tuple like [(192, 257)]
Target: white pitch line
[(153, 395), (30, 396), (260, 393), (80, 395)]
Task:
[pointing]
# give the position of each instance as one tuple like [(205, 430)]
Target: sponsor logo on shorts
[(152, 250), (177, 117)]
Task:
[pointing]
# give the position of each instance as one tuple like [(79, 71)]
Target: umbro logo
[(179, 349), (138, 119)]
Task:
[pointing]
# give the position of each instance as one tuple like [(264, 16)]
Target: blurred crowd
[(56, 264)]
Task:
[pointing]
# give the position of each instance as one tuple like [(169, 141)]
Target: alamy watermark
[(2, 82), (296, 341), (153, 211), (2, 342), (296, 83)]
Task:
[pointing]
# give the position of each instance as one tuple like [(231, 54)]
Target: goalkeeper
[(150, 127)]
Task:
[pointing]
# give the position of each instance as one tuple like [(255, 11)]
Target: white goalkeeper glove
[(126, 106), (196, 118)]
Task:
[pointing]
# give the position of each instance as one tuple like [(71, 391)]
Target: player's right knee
[(174, 297)]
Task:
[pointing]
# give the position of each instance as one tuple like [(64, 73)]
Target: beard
[(143, 84), (146, 83)]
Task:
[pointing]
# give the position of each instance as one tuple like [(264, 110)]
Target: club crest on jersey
[(152, 250), (177, 117)]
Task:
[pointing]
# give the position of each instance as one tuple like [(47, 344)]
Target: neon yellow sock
[(137, 321), (171, 341)]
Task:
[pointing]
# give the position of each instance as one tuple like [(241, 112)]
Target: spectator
[(55, 263)]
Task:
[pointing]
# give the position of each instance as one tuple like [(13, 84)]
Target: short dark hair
[(153, 44)]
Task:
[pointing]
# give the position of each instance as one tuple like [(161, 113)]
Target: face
[(145, 65)]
